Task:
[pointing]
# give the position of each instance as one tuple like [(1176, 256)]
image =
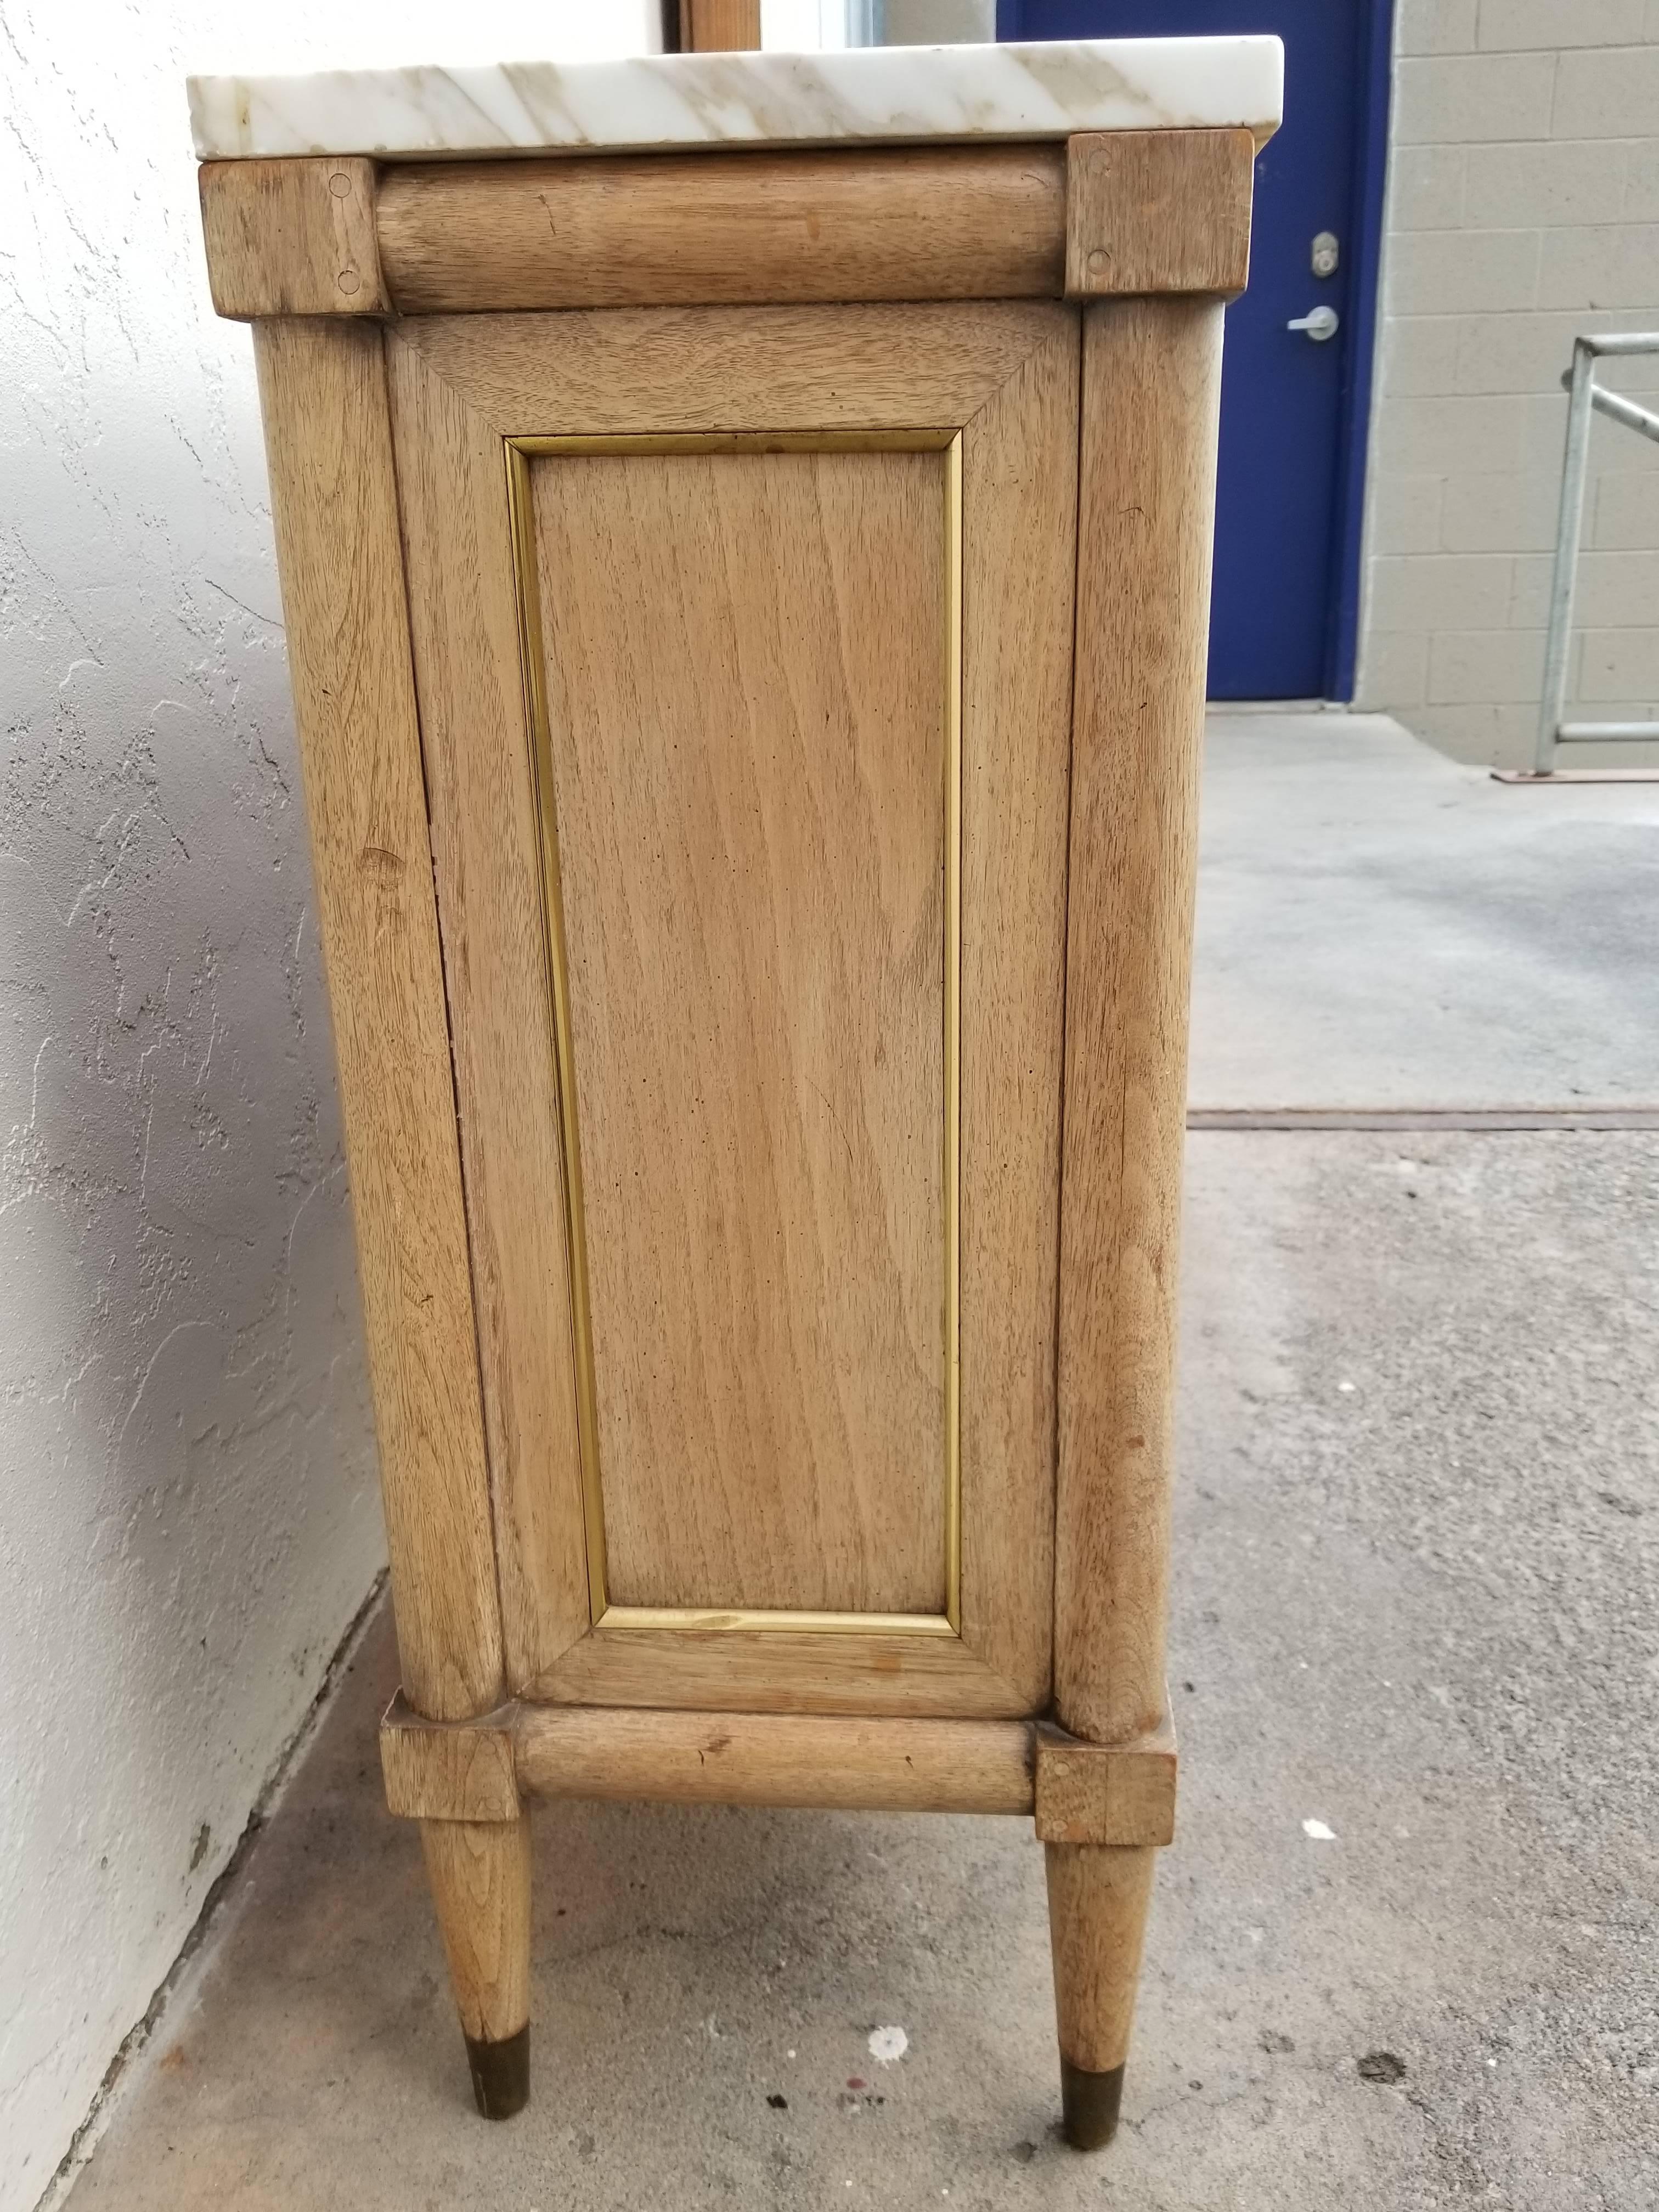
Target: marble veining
[(897, 93)]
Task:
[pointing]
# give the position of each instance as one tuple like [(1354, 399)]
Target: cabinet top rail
[(890, 94)]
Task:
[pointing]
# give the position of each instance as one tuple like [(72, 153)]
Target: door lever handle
[(1319, 323)]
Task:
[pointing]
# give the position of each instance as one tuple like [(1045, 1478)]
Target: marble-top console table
[(746, 593)]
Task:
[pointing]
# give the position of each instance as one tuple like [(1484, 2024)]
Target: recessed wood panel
[(744, 657)]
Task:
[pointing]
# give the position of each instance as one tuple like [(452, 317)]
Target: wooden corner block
[(292, 237), (1158, 211), (1105, 1793), (449, 1769)]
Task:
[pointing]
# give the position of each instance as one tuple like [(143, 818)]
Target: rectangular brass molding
[(518, 453)]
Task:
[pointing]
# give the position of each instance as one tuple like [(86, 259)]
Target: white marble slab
[(897, 93)]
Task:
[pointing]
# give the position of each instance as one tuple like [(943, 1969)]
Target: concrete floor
[(1417, 1548), (1379, 925)]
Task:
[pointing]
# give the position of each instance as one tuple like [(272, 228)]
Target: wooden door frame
[(1376, 80)]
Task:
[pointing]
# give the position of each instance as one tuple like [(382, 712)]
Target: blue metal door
[(1293, 403)]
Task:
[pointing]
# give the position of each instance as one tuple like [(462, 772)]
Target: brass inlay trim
[(527, 595), (518, 454), (745, 441), (953, 1035), (707, 1619)]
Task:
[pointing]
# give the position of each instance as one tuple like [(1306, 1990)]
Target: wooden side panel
[(608, 372), (322, 387), (954, 222), (779, 1758), (1158, 211), (292, 238), (1006, 377), (486, 838), (1151, 373), (744, 657), (1020, 469)]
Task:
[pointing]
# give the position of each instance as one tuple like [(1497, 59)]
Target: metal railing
[(1587, 398)]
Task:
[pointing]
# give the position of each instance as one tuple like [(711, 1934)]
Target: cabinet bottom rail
[(484, 1769)]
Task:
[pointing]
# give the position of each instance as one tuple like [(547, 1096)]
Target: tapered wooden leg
[(1098, 1895), (480, 1875)]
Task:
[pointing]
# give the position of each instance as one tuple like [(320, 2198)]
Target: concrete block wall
[(1523, 207)]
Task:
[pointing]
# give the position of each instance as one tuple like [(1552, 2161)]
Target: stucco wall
[(188, 1513), (1523, 207)]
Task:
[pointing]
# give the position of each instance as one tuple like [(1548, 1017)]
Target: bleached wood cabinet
[(746, 611)]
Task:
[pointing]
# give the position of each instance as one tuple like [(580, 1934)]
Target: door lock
[(1319, 323), (1324, 253)]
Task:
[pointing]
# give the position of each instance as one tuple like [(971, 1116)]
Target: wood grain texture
[(606, 372), (745, 673), (486, 841), (449, 1770), (292, 238), (956, 222), (1097, 1793), (778, 1759), (479, 1872), (849, 369), (1019, 467), (1158, 211), (718, 26), (322, 387), (1098, 1899), (780, 1670), (1150, 392)]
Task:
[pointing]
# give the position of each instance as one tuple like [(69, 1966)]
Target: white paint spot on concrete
[(887, 2045), (1318, 1832), (1346, 1386)]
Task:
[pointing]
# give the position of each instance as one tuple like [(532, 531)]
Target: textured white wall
[(1523, 207), (188, 1514)]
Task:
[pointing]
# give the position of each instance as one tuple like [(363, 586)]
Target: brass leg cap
[(1089, 2104), (501, 2074)]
